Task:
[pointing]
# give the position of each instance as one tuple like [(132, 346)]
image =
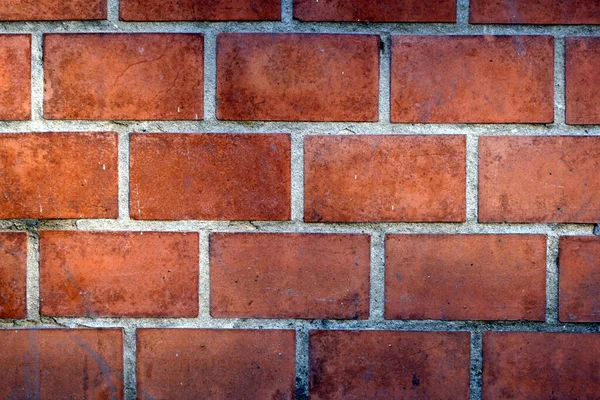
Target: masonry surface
[(326, 199)]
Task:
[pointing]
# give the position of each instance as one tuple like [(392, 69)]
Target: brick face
[(48, 10), (15, 77), (13, 274), (582, 71), (289, 276), (535, 12)]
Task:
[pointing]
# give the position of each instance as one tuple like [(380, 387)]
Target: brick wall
[(255, 199)]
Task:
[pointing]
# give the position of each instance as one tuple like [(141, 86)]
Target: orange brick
[(13, 274), (48, 10), (15, 77), (582, 78), (535, 12)]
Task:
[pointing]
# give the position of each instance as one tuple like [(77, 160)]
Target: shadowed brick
[(582, 69)]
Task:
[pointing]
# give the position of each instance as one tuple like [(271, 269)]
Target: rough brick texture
[(539, 179), (466, 277), (486, 79), (48, 10), (61, 364), (207, 363), (582, 71), (379, 364), (158, 76), (210, 176), (535, 11), (15, 77), (136, 274), (376, 11), (289, 276), (579, 279), (384, 178), (58, 175), (194, 10), (13, 275), (534, 365), (282, 77)]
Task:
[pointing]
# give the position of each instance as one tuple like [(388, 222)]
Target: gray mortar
[(298, 130)]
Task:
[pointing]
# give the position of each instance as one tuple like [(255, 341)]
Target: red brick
[(465, 277), (224, 364), (387, 364), (13, 275), (535, 12), (15, 77), (58, 175), (61, 364), (472, 79), (376, 11), (48, 10), (535, 365), (194, 10), (289, 276), (406, 178), (133, 76), (539, 179), (129, 274), (297, 77), (579, 279), (210, 176), (582, 79)]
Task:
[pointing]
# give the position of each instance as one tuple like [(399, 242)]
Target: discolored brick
[(579, 279), (539, 179), (540, 365), (472, 79), (223, 363), (282, 77), (121, 274), (465, 277), (407, 178), (210, 176), (61, 364), (13, 274), (133, 76), (535, 12), (376, 11), (58, 175), (388, 364), (15, 77), (289, 276), (49, 10), (194, 10), (582, 69)]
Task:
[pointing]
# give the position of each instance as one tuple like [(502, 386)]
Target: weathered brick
[(61, 364), (536, 365), (387, 364), (13, 274), (289, 276), (303, 77), (15, 77), (135, 274), (134, 76), (207, 363), (48, 10), (210, 176), (58, 175), (579, 279), (194, 10), (384, 178), (535, 12), (472, 79), (539, 179), (465, 277), (582, 69)]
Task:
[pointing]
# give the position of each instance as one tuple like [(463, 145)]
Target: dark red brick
[(15, 77), (406, 178), (535, 365), (389, 365), (61, 364), (133, 76), (13, 275), (465, 277), (539, 179), (223, 363), (582, 79), (128, 274), (297, 77), (472, 79), (210, 176), (535, 11), (58, 175), (48, 10), (289, 276)]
